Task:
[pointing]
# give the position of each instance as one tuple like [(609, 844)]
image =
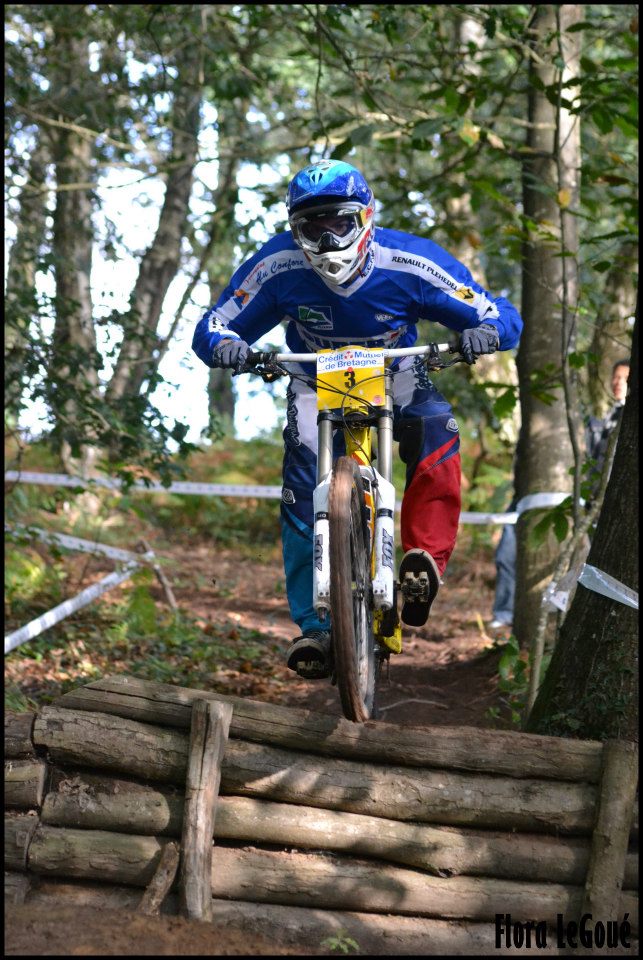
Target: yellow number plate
[(352, 377)]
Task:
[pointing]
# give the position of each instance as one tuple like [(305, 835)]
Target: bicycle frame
[(357, 423)]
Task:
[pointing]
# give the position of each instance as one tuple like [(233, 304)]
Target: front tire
[(350, 585)]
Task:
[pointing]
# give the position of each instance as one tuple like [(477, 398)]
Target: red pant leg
[(431, 504)]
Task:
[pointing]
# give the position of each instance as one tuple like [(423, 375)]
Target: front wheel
[(350, 582)]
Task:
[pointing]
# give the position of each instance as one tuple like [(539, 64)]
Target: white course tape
[(180, 486), (535, 500), (227, 490), (594, 579), (37, 626), (75, 543)]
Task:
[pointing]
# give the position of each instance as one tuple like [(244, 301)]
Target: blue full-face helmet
[(330, 212)]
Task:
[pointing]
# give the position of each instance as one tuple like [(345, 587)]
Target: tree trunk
[(139, 352), (591, 687), (544, 451), (611, 340), (75, 362), (21, 304)]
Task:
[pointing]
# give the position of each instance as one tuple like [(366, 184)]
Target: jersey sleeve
[(450, 296), (246, 310)]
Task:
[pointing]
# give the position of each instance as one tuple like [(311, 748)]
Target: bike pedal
[(415, 587)]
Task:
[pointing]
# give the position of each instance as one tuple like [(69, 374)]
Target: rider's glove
[(230, 353), (479, 340)]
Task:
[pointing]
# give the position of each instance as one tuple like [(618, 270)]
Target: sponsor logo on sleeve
[(452, 425), (465, 293), (287, 495), (217, 324)]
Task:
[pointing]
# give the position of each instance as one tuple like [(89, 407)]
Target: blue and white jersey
[(405, 279)]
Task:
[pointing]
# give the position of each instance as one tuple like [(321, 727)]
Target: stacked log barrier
[(411, 840)]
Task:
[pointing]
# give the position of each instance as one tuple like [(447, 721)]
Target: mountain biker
[(337, 279)]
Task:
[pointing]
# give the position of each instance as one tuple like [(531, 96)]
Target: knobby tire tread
[(349, 557)]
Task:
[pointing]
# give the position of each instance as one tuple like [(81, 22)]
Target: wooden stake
[(208, 739), (145, 547), (160, 884), (611, 835)]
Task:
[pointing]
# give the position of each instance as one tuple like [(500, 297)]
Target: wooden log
[(50, 891), (94, 801), (161, 883), (95, 855), (110, 743), (17, 735), (508, 753), (380, 935), (208, 739), (342, 883), (290, 927), (16, 887), (306, 879), (399, 793), (24, 783), (19, 829), (127, 806), (611, 834)]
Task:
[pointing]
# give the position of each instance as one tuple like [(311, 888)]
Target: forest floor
[(447, 674)]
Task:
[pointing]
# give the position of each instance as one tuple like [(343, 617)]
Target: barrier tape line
[(75, 543), (65, 609), (179, 486), (600, 582), (530, 502)]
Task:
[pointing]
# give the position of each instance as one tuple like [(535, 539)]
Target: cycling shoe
[(309, 656)]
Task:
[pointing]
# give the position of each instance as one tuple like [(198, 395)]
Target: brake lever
[(434, 361), (262, 364)]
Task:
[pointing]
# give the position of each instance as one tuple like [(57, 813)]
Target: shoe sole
[(415, 613), (309, 661)]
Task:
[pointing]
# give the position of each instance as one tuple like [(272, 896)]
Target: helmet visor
[(332, 227)]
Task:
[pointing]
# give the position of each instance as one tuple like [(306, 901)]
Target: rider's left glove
[(479, 340), (230, 353)]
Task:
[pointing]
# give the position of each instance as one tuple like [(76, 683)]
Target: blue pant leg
[(505, 557), (297, 520)]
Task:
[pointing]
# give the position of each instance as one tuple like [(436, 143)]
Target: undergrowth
[(131, 630)]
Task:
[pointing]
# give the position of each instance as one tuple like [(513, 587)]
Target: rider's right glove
[(479, 340), (230, 353)]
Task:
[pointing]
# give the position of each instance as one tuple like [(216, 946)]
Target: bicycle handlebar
[(254, 358)]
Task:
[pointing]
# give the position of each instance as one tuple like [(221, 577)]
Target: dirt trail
[(446, 673)]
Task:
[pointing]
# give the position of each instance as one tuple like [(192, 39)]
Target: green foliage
[(340, 942), (556, 519), (513, 683), (24, 574)]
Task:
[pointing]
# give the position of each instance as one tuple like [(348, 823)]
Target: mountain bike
[(354, 582)]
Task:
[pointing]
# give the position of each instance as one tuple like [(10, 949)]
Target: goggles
[(332, 227)]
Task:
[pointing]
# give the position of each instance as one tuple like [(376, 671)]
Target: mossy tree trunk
[(591, 687)]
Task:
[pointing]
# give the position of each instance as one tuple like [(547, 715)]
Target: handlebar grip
[(255, 357)]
